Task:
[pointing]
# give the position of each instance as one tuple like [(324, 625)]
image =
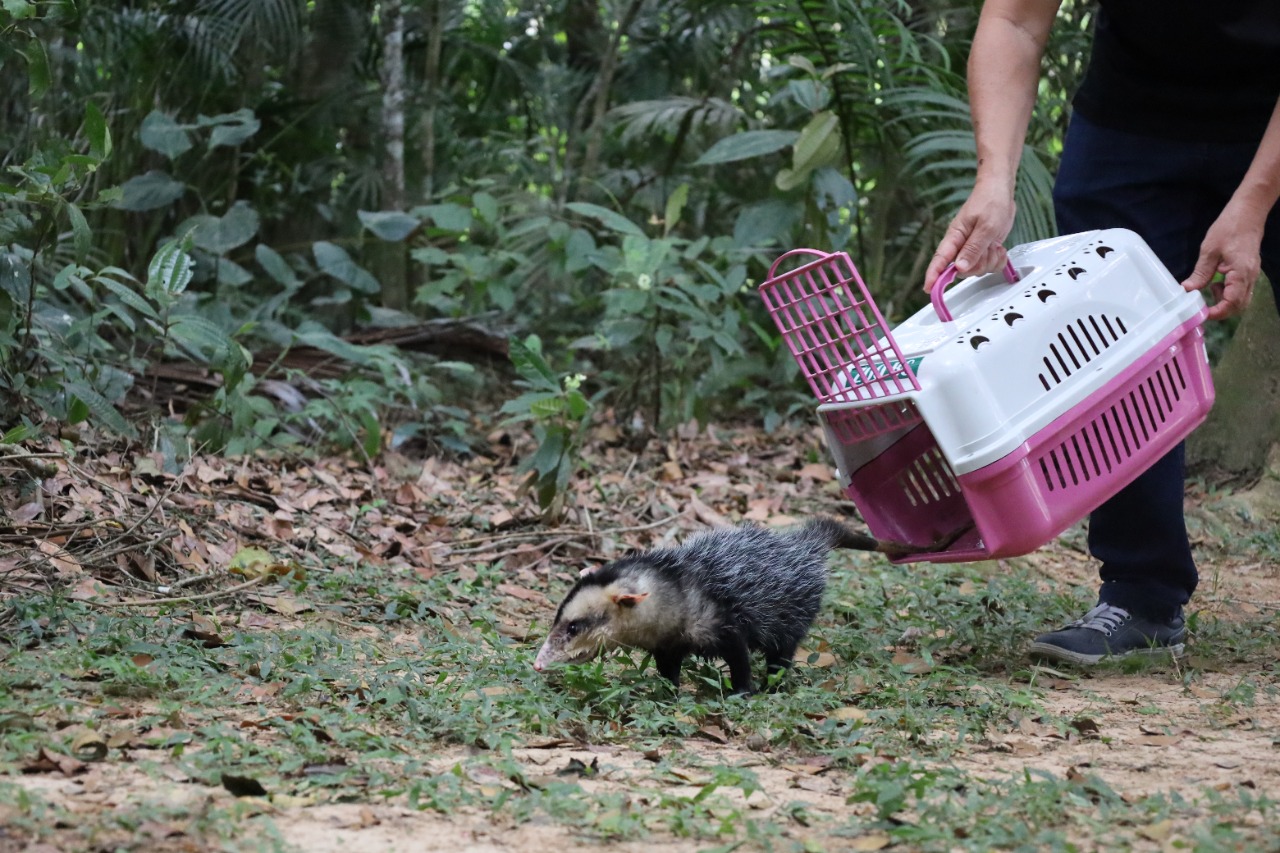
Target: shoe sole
[(1047, 651)]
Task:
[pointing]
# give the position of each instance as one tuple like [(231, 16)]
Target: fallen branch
[(503, 538), (178, 599)]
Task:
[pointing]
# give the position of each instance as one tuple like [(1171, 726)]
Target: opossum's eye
[(573, 629)]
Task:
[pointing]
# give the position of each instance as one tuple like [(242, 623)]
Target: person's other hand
[(974, 241), (1232, 247)]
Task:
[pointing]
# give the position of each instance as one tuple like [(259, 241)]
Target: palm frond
[(663, 118)]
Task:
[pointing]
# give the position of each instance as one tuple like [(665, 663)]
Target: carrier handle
[(949, 275), (783, 257)]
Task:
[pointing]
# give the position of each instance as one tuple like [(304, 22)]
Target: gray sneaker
[(1110, 631)]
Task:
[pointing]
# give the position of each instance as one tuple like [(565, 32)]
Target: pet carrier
[(991, 421)]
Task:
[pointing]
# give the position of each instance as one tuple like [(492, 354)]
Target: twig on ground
[(1226, 599), (542, 534), (144, 545), (179, 599)]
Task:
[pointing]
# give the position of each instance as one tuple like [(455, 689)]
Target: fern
[(99, 407)]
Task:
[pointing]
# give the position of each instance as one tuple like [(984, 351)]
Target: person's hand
[(974, 241), (1232, 247)]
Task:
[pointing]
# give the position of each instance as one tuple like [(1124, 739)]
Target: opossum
[(723, 593)]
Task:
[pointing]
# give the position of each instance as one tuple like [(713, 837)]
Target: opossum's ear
[(628, 599)]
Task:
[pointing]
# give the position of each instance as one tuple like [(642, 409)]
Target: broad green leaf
[(838, 68), (372, 444), (37, 68), (81, 237), (809, 94), (818, 147), (170, 271), (275, 265), (231, 273), (521, 406), (451, 217), (487, 206), (122, 314), (613, 221), (231, 129), (19, 9), (150, 191), (532, 225), (314, 335), (675, 206), (333, 260), (221, 234), (546, 407), (199, 336), (127, 295), (819, 142), (578, 405), (578, 250), (527, 358), (803, 63), (19, 433), (15, 278), (547, 459), (745, 145), (77, 412), (105, 414), (161, 133), (95, 127), (390, 225)]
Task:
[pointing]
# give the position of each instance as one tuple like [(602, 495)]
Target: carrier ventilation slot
[(1077, 345), (928, 479), (859, 424), (1118, 432)]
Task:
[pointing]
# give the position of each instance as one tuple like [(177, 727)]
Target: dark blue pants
[(1169, 192)]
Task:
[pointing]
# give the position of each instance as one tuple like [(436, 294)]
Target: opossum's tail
[(840, 536), (836, 535)]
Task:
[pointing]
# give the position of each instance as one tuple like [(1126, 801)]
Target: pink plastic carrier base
[(1066, 470)]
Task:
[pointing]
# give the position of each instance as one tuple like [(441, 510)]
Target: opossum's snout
[(569, 642)]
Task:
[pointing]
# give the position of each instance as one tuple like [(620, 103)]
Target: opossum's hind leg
[(668, 664), (737, 655)]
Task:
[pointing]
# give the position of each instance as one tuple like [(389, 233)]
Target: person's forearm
[(1260, 188), (1004, 74)]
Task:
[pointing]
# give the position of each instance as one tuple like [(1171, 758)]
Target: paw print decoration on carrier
[(994, 419)]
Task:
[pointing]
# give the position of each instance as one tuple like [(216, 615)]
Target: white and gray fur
[(722, 594)]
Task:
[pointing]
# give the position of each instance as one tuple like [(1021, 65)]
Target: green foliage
[(552, 166), (673, 323), (559, 413)]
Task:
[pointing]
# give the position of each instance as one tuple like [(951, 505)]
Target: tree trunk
[(392, 261), (597, 101), (1244, 424), (434, 23)]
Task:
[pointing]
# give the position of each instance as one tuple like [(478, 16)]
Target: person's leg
[(1110, 179), (1169, 192)]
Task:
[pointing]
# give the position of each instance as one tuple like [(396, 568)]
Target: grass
[(408, 691)]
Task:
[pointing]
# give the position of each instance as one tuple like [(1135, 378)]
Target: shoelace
[(1105, 618)]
